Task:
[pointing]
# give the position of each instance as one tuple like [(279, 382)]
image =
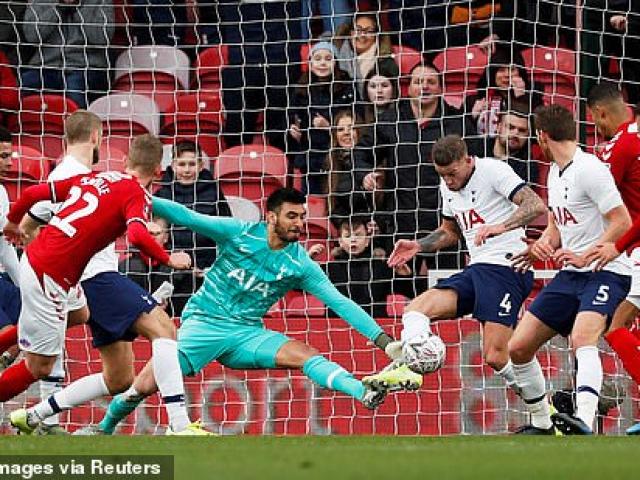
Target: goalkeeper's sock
[(414, 324), (331, 375), (588, 383), (509, 377), (531, 380), (82, 390), (627, 346), (51, 385), (119, 408), (8, 338), (15, 380), (168, 376)]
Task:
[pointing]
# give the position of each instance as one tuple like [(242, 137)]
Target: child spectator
[(381, 90), (189, 183), (359, 274), (319, 91)]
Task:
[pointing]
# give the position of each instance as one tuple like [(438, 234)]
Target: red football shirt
[(97, 210)]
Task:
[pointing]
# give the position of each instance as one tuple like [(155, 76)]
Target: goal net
[(323, 96)]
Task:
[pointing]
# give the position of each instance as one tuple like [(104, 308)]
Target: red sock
[(8, 338), (627, 346), (15, 380)]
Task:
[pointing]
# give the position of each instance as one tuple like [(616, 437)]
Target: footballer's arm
[(446, 235)]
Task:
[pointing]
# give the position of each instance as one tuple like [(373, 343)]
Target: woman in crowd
[(319, 91)]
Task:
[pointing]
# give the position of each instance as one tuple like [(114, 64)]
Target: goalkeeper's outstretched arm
[(216, 228), (317, 283)]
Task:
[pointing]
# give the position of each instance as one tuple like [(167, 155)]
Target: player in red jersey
[(622, 153), (97, 209)]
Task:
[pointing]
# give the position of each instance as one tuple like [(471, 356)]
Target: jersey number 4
[(75, 194)]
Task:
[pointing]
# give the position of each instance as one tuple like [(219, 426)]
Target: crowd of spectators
[(356, 125)]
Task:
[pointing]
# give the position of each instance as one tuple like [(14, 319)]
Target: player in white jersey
[(585, 210), (484, 201)]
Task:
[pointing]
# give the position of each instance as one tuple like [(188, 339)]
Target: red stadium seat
[(157, 72), (406, 58), (111, 158), (251, 171), (40, 122), (461, 68), (197, 117), (555, 68), (207, 68), (28, 167), (298, 304), (125, 116)]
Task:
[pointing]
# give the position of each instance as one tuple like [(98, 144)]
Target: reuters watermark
[(98, 467)]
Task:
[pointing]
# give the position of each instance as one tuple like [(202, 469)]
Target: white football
[(424, 353)]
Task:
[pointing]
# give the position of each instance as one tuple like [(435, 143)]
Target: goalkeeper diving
[(257, 264)]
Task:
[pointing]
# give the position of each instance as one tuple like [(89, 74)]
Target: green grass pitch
[(365, 457)]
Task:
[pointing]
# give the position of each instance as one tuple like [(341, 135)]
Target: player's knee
[(39, 369), (496, 357), (119, 382), (583, 339), (520, 352), (424, 303)]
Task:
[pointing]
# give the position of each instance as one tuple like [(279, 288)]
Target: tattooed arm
[(530, 207), (446, 235)]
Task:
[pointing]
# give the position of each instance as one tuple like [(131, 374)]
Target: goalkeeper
[(257, 264)]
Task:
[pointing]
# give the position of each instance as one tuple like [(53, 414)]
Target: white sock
[(82, 390), (131, 394), (166, 370), (509, 377), (588, 383), (51, 385), (414, 324), (530, 379)]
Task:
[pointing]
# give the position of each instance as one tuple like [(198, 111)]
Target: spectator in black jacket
[(513, 142), (189, 183), (320, 90), (361, 276), (345, 197), (396, 157)]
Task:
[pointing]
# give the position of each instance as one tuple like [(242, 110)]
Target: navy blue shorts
[(491, 293), (572, 292), (9, 302), (115, 303)]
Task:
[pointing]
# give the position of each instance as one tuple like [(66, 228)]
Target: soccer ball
[(424, 353)]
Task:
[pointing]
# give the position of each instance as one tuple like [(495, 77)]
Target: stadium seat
[(244, 209), (396, 304), (40, 122), (124, 116), (197, 117), (28, 167), (251, 171), (461, 69), (298, 304), (156, 71), (554, 68), (207, 68), (406, 58), (111, 158)]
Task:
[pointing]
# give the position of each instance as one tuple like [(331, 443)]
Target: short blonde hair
[(79, 126), (145, 154)]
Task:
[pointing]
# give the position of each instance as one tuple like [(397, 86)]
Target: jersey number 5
[(75, 194)]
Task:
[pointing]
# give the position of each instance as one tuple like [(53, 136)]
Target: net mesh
[(237, 78)]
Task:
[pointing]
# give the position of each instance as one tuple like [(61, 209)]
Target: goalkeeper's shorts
[(234, 345)]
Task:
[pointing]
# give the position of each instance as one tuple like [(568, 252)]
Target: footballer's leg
[(529, 336), (584, 339), (622, 340), (434, 304), (160, 330), (495, 350), (327, 374)]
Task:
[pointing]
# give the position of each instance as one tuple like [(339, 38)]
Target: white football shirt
[(486, 200), (105, 260), (579, 197)]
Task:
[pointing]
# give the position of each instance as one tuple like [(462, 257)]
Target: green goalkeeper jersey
[(248, 277)]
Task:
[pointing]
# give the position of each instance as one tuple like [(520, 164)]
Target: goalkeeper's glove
[(392, 348)]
